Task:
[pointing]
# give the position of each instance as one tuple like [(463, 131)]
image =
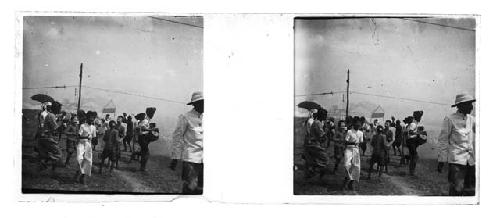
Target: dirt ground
[(426, 181), (158, 178)]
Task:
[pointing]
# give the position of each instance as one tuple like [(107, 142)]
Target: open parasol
[(309, 105), (42, 98)]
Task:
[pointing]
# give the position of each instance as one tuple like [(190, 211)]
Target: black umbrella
[(309, 105), (42, 98)]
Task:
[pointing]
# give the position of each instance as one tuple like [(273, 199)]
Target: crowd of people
[(351, 136), (85, 131)]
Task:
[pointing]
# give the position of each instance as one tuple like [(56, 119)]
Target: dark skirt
[(48, 148), (380, 156), (315, 156), (112, 153)]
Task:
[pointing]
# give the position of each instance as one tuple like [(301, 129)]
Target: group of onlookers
[(350, 137), (84, 131)]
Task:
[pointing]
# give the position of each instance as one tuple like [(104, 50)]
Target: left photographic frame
[(112, 104)]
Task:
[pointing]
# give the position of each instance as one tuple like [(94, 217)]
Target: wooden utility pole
[(80, 88), (347, 103)]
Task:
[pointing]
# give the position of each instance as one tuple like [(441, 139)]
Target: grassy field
[(426, 182), (158, 178)]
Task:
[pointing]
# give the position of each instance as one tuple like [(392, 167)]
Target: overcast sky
[(139, 55), (386, 56)]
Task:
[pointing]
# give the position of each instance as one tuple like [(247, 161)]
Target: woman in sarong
[(48, 148), (71, 133), (339, 144), (315, 149)]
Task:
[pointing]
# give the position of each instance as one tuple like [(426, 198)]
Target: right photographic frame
[(385, 105)]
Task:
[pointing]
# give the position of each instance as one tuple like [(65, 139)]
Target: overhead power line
[(52, 87), (176, 22), (375, 95), (399, 98), (111, 91), (324, 93), (437, 24), (135, 94)]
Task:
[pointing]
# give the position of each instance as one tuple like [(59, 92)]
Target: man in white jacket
[(188, 146), (457, 148)]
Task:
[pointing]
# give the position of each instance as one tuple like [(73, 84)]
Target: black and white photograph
[(112, 104), (385, 106)]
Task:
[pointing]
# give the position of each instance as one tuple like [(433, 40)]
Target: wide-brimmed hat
[(462, 98), (197, 96)]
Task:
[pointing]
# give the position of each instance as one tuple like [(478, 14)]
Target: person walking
[(398, 137), (315, 150), (188, 146), (457, 147), (339, 144), (48, 148), (352, 161), (144, 129), (380, 152), (389, 132), (84, 147), (129, 134), (111, 146), (364, 128), (71, 133), (415, 137), (106, 121), (94, 125), (120, 126)]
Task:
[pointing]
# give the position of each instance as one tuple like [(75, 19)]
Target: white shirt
[(355, 136), (85, 130), (93, 131), (188, 138), (456, 141), (125, 126)]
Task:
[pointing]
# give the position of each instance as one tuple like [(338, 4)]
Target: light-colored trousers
[(84, 156), (352, 162)]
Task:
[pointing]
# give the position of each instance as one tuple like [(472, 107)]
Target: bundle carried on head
[(91, 114), (140, 116), (150, 111), (322, 114), (56, 107), (418, 114), (408, 119), (81, 115)]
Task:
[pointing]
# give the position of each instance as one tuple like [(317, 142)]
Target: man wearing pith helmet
[(457, 145), (188, 146)]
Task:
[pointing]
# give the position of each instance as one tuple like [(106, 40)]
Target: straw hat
[(462, 98), (197, 96)]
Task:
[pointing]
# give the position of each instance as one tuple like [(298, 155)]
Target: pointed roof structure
[(378, 112), (109, 108)]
